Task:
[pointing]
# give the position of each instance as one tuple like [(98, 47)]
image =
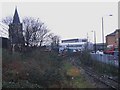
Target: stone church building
[(16, 38)]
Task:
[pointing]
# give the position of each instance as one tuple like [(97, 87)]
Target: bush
[(37, 67), (44, 68)]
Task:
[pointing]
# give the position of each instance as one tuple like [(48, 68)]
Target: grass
[(103, 68), (21, 84), (67, 65), (78, 80)]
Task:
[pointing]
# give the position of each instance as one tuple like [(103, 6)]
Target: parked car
[(111, 50), (99, 52)]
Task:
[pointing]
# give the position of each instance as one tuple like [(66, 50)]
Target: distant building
[(3, 35), (74, 44), (16, 33), (4, 30), (117, 36), (112, 38)]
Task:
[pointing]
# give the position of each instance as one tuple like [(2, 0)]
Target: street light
[(94, 41), (103, 30), (87, 41)]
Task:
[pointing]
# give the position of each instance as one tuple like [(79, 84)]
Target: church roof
[(16, 19)]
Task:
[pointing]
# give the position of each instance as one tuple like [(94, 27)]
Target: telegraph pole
[(87, 41), (94, 41), (103, 33)]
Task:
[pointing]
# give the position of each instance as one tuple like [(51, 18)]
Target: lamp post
[(87, 42), (103, 31), (94, 41)]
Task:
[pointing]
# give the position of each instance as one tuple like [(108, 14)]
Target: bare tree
[(7, 20), (36, 33), (55, 42)]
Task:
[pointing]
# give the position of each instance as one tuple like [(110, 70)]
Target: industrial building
[(75, 45)]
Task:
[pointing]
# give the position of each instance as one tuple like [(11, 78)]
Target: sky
[(69, 19)]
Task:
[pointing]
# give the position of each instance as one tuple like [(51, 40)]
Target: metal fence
[(108, 59)]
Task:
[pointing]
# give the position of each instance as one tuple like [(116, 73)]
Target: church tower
[(16, 33)]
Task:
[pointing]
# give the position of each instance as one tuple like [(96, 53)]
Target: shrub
[(37, 67)]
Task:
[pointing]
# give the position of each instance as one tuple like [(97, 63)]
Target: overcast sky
[(69, 19)]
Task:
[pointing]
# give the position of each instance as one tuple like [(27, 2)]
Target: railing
[(108, 59)]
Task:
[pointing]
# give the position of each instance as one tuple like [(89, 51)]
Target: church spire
[(16, 19)]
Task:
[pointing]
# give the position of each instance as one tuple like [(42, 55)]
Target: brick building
[(112, 38), (117, 36)]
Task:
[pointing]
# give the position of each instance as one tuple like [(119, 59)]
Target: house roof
[(4, 30), (112, 34)]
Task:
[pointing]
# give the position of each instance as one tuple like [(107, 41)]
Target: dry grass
[(73, 72)]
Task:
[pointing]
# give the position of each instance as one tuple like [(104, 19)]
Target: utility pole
[(87, 41), (103, 33), (94, 41)]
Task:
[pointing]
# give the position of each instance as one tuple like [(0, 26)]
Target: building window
[(84, 40)]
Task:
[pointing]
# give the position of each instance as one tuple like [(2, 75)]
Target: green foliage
[(104, 68), (84, 58), (20, 84), (39, 66), (6, 57), (77, 82)]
